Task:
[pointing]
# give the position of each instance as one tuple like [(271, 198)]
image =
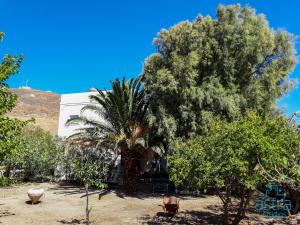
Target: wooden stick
[(87, 211)]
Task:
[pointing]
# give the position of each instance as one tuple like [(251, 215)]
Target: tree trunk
[(238, 216), (296, 208), (295, 195), (225, 197), (245, 200), (87, 210), (247, 203), (131, 168), (226, 214), (7, 171)]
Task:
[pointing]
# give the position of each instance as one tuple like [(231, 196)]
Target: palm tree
[(120, 124)]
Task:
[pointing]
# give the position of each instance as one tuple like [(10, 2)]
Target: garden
[(200, 123)]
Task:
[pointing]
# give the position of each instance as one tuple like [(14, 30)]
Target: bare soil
[(62, 205), (41, 105)]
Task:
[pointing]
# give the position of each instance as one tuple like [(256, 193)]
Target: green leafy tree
[(216, 67), (10, 133), (235, 158), (9, 66), (89, 165), (10, 129), (287, 175), (119, 124)]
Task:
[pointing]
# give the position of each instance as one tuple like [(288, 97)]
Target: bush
[(10, 132), (89, 165), (38, 155), (236, 158), (5, 181)]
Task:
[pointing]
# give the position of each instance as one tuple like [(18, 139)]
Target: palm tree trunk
[(132, 171)]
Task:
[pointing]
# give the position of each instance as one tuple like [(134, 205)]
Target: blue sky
[(70, 46)]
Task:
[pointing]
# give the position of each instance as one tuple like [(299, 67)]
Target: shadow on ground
[(187, 217), (71, 222), (29, 202), (70, 189), (67, 189), (208, 218), (5, 212)]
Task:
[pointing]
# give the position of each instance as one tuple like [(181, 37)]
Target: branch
[(270, 177), (97, 192)]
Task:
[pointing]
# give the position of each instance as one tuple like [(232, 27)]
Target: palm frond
[(121, 116)]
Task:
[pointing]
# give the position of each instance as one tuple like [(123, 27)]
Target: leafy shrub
[(89, 165), (38, 155), (236, 158), (5, 181), (10, 131)]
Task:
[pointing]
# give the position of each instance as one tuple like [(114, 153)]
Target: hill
[(41, 105)]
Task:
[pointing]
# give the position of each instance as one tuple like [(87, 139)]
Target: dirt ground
[(62, 205)]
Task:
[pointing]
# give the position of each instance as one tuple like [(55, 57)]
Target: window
[(74, 116)]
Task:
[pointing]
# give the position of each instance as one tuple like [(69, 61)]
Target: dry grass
[(41, 105)]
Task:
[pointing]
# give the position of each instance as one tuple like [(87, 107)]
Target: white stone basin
[(35, 192)]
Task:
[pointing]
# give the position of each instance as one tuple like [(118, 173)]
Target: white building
[(70, 107)]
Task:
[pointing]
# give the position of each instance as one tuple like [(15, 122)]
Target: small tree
[(8, 66), (10, 129), (231, 157), (91, 167)]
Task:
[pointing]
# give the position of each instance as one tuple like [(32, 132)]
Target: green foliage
[(8, 66), (89, 165), (5, 181), (235, 151), (38, 154), (120, 124), (120, 116), (222, 67), (10, 129), (236, 157)]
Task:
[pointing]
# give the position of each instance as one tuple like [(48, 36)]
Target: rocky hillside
[(41, 105)]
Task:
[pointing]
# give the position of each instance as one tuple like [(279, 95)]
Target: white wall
[(70, 105)]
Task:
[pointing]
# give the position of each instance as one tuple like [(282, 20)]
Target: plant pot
[(35, 195)]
